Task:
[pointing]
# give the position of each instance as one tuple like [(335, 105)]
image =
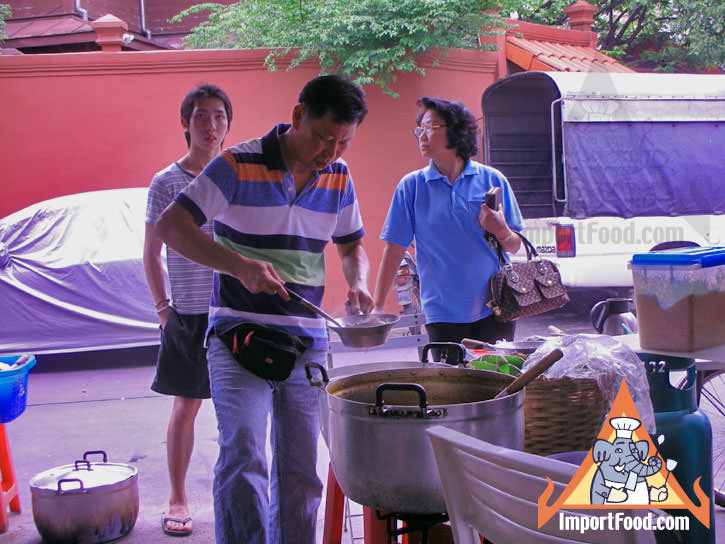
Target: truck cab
[(606, 165)]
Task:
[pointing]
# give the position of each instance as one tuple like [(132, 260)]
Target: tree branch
[(639, 13)]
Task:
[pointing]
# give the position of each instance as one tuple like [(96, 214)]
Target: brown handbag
[(522, 289)]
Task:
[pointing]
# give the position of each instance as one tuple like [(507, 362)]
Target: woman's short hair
[(200, 93), (461, 127)]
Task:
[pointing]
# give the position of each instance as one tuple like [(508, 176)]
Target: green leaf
[(662, 35), (5, 13), (369, 41)]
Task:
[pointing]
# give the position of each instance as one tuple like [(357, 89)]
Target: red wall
[(85, 121)]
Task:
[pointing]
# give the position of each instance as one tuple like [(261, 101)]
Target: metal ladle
[(319, 311)]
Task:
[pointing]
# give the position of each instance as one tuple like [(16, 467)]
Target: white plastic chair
[(493, 491)]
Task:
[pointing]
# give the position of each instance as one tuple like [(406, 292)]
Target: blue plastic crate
[(14, 387)]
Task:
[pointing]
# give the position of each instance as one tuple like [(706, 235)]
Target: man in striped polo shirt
[(181, 369), (275, 202)]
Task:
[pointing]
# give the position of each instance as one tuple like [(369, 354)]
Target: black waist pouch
[(267, 353)]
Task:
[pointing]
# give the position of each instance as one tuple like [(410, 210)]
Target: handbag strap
[(531, 255), (503, 260)]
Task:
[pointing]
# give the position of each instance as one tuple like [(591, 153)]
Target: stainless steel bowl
[(365, 331)]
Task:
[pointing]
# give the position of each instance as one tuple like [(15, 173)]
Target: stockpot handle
[(82, 464), (68, 480), (323, 372), (459, 355), (414, 387), (95, 452)]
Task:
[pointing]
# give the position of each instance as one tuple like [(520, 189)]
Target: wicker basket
[(562, 414)]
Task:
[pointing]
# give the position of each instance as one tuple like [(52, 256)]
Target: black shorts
[(181, 368)]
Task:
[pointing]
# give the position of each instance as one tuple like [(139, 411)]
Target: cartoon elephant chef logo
[(624, 470), (624, 467)]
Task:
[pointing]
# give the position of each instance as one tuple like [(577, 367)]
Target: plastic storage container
[(680, 298), (14, 386)]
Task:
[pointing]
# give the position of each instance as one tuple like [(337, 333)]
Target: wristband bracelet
[(159, 310), (161, 303)]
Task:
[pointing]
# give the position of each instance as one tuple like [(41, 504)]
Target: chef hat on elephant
[(624, 426)]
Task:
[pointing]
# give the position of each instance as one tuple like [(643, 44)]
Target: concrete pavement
[(113, 409)]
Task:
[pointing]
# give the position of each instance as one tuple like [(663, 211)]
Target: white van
[(606, 165)]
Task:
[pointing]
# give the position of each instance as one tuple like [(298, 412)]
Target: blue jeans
[(244, 512)]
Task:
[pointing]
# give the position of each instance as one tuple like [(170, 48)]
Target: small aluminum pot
[(375, 425), (86, 502)]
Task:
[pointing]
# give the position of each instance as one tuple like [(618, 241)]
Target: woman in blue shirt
[(442, 208)]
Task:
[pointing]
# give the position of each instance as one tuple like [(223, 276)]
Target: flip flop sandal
[(175, 532)]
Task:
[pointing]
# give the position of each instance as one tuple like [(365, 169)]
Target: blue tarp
[(72, 277), (630, 169)]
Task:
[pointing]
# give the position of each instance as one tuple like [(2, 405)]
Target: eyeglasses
[(428, 129)]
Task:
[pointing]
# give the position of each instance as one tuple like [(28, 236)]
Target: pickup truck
[(606, 165)]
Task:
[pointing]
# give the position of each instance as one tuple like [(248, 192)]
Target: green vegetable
[(499, 363)]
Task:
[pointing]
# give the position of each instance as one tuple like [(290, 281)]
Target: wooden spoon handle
[(470, 343), (531, 373)]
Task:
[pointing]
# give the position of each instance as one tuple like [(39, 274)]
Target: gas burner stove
[(414, 523)]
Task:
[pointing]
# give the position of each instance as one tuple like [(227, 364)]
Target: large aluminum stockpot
[(375, 429), (85, 502), (354, 370)]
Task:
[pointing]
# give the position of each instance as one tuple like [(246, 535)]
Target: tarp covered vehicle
[(71, 275), (605, 165)]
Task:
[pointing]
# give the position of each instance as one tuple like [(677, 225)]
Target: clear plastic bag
[(604, 359)]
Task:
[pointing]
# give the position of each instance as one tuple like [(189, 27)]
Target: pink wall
[(86, 121)]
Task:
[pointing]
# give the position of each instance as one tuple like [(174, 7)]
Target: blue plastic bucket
[(14, 387)]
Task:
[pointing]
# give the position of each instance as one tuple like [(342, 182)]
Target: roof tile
[(565, 57), (66, 24)]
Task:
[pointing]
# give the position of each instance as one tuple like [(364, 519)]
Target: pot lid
[(92, 475), (690, 257)]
